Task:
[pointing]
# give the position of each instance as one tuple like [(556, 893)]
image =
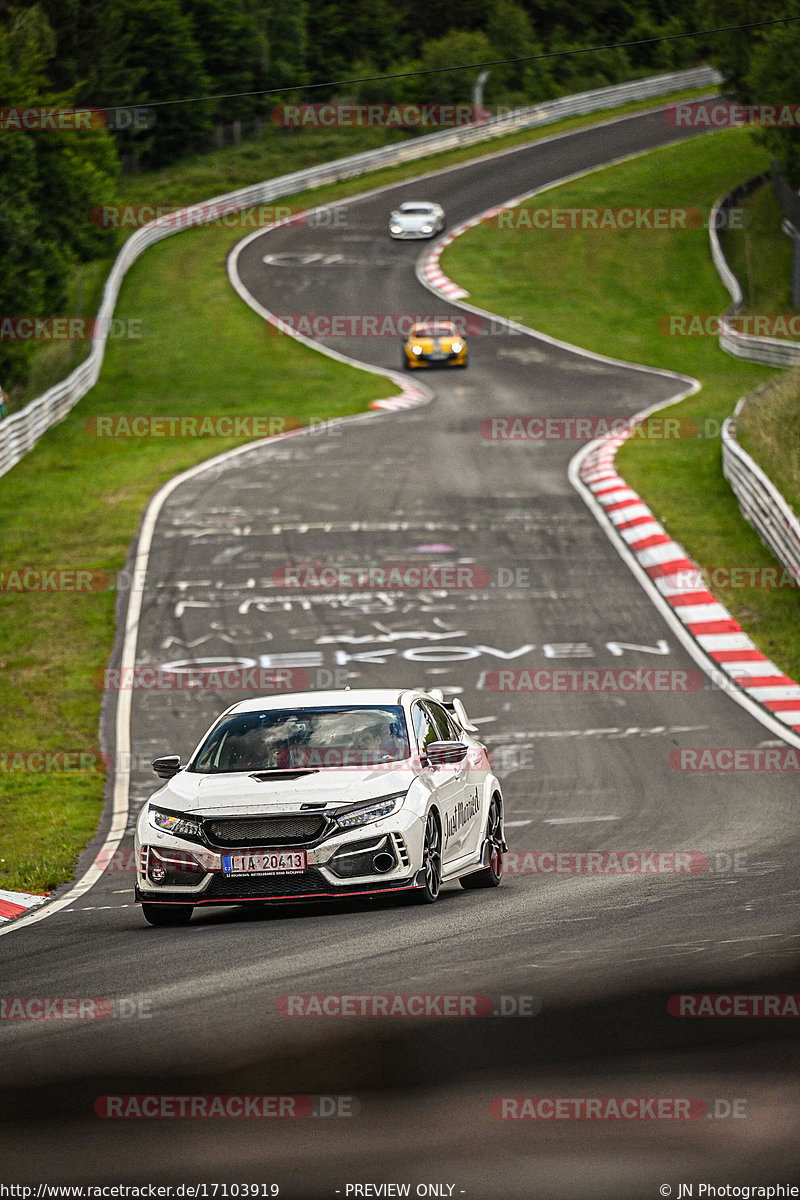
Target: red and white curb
[(410, 397), (428, 269), (14, 904), (678, 579), (433, 275)]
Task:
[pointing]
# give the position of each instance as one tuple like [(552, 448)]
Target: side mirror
[(167, 766), (440, 754)]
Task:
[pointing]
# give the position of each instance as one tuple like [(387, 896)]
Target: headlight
[(427, 229), (416, 349), (170, 823), (370, 812), (457, 347), (395, 228)]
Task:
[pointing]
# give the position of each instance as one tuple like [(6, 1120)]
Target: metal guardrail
[(759, 500), (775, 352), (20, 432)]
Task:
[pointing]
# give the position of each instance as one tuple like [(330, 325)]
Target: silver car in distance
[(417, 219)]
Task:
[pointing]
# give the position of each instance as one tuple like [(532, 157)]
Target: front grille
[(301, 884), (290, 829)]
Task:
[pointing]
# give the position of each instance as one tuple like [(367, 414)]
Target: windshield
[(442, 329), (419, 210), (283, 739)]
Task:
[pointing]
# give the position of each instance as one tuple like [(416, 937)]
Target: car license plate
[(262, 862), (438, 355)]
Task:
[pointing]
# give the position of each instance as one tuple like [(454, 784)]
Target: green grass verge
[(606, 291), (75, 501), (769, 429)]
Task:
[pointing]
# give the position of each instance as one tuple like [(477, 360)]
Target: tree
[(773, 77), (49, 182), (164, 51), (233, 43)]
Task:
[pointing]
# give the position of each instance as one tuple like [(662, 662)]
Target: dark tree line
[(112, 53)]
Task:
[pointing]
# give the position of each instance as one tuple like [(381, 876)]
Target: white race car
[(318, 795), (416, 219)]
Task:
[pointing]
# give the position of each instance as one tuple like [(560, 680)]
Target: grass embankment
[(75, 501), (760, 254), (769, 429), (606, 291)]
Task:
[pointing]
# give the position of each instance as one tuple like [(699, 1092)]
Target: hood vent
[(271, 776)]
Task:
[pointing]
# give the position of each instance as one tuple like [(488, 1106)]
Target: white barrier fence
[(20, 432), (775, 352), (759, 500)]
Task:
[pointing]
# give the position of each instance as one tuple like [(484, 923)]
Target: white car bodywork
[(416, 219), (277, 811)]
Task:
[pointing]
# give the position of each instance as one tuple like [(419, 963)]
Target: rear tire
[(491, 876), (167, 914)]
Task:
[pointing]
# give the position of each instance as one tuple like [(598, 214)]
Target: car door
[(444, 782), (458, 833), (468, 812)]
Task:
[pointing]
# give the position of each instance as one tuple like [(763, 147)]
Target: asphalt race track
[(581, 772)]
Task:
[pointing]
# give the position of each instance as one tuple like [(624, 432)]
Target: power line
[(494, 62)]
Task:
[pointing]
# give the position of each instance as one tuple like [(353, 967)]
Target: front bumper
[(436, 360), (409, 235), (342, 865)]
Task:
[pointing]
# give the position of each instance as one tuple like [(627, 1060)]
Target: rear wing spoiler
[(454, 705)]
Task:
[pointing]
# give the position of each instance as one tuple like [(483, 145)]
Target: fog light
[(158, 874)]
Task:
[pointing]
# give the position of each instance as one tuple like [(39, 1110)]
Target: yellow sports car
[(435, 343)]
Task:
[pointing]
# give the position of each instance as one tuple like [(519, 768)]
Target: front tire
[(491, 876), (431, 863), (167, 914)]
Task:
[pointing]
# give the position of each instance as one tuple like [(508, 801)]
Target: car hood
[(251, 792)]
